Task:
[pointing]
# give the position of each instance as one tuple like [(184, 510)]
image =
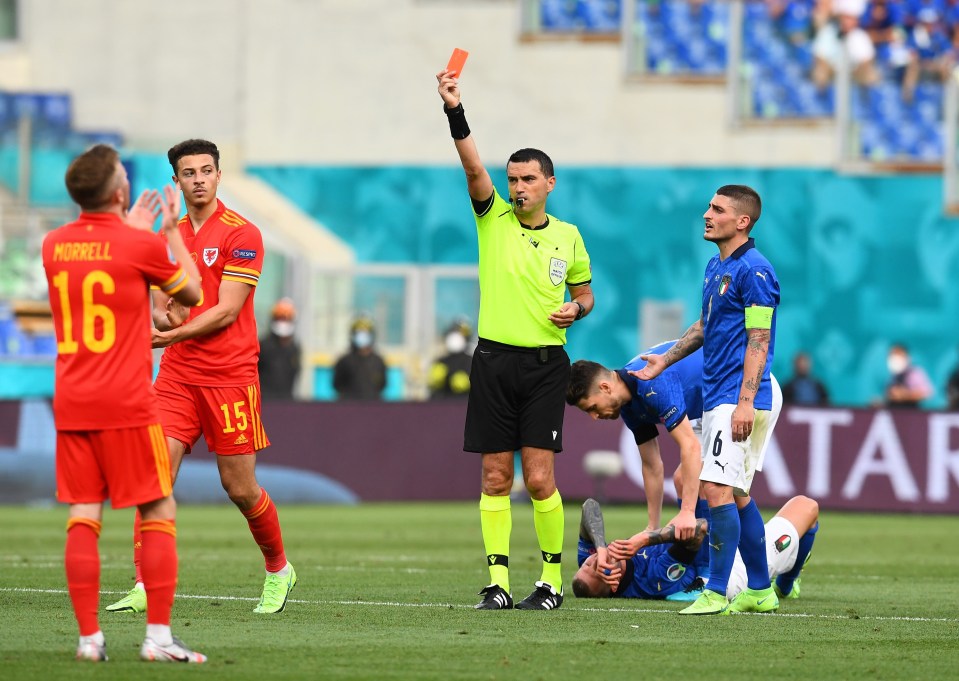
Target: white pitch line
[(452, 606)]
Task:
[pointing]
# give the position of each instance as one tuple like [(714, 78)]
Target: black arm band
[(457, 118)]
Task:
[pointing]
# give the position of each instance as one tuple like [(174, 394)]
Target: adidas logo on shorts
[(241, 440)]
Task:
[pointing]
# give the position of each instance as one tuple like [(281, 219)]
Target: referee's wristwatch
[(582, 309)]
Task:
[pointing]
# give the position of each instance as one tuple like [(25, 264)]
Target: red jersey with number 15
[(99, 271), (226, 248)]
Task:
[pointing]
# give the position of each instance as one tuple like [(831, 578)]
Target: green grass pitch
[(385, 592)]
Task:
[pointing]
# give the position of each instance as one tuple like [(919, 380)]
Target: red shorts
[(228, 418), (129, 466)]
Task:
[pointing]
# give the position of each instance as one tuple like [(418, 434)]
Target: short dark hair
[(89, 177), (527, 155), (580, 590), (582, 377), (192, 148), (746, 199)]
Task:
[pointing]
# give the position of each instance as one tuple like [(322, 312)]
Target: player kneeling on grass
[(654, 565)]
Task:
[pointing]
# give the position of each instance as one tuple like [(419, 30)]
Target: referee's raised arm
[(478, 181)]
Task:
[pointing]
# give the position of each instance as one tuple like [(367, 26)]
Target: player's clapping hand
[(170, 207), (143, 213), (564, 317), (449, 88), (176, 313)]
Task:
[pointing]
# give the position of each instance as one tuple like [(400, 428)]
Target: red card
[(457, 61)]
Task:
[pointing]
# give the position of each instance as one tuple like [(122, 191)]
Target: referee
[(519, 373)]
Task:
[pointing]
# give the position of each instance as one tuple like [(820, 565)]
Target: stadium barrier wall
[(863, 261), (851, 459)]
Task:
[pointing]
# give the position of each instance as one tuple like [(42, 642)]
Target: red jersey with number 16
[(99, 271), (226, 248)]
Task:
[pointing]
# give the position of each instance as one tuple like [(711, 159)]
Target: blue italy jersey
[(654, 573), (668, 399), (740, 281)]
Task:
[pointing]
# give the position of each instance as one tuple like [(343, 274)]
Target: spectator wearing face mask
[(449, 375), (360, 374), (908, 385), (279, 361)]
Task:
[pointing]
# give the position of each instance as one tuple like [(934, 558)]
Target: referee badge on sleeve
[(557, 271)]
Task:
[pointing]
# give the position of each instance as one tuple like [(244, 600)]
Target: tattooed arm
[(592, 529), (757, 350), (687, 344), (624, 549)]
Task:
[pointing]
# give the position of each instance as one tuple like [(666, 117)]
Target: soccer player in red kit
[(109, 440), (208, 382)]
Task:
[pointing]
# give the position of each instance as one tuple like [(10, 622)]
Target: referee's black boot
[(544, 597), (494, 598)]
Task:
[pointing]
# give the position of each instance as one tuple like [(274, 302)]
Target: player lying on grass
[(675, 396), (653, 564)]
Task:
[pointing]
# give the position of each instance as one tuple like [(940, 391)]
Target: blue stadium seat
[(44, 345), (600, 16)]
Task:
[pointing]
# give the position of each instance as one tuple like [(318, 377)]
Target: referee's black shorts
[(517, 398)]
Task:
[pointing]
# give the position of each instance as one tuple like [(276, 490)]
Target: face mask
[(897, 364), (282, 328), (455, 342), (362, 339)]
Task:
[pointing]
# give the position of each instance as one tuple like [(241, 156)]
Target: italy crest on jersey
[(675, 572), (557, 271), (724, 284), (210, 255)]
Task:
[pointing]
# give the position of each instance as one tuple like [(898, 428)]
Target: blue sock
[(723, 540), (785, 581), (701, 561), (752, 546)]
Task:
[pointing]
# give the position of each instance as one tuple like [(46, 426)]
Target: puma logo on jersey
[(760, 274), (722, 466)]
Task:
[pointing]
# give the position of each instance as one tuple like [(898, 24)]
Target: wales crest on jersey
[(724, 283), (557, 271), (210, 255)]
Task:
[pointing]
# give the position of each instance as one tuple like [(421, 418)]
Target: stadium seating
[(53, 141), (690, 38)]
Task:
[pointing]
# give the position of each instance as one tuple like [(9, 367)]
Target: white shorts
[(734, 463), (782, 545)]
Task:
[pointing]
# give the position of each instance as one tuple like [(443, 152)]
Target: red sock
[(265, 526), (137, 548), (82, 562), (159, 568)]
